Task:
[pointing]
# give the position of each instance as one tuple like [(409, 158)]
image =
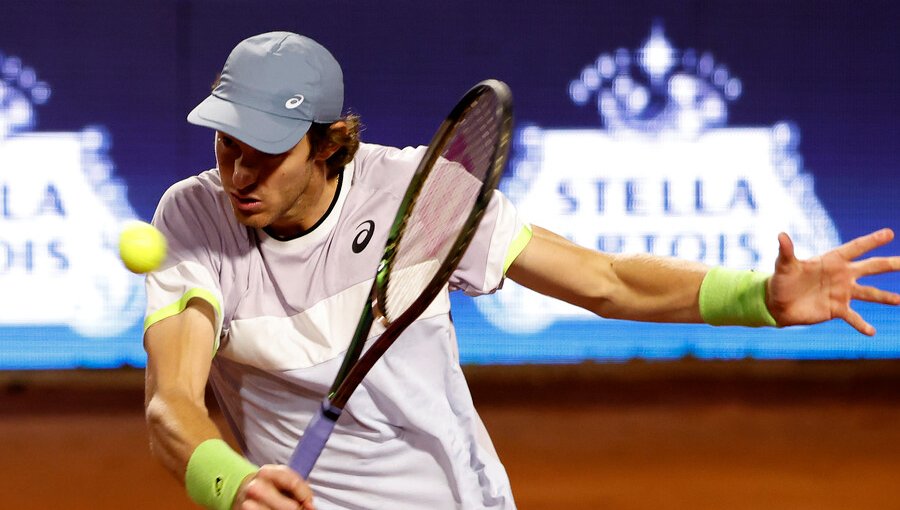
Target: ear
[(329, 148)]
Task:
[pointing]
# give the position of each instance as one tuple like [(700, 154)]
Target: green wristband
[(214, 474), (735, 298)]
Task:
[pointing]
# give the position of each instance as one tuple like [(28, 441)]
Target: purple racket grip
[(314, 438)]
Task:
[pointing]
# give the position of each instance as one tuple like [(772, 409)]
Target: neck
[(321, 197)]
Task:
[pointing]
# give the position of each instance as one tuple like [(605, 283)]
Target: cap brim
[(262, 131)]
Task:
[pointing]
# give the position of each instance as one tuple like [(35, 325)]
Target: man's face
[(278, 191)]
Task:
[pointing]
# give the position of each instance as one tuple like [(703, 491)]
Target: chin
[(253, 220)]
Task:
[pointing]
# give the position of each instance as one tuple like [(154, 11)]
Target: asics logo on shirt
[(363, 236), (294, 102)]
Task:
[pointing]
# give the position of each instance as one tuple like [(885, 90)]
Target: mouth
[(245, 204)]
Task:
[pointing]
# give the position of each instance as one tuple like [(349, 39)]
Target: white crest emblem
[(665, 175)]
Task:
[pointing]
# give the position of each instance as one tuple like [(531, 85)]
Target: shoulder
[(203, 187), (378, 165), (197, 194), (193, 205)]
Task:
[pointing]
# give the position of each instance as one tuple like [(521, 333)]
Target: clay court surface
[(674, 435)]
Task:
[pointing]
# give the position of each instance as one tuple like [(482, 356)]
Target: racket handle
[(314, 438)]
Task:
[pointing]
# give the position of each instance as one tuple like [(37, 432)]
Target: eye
[(226, 141), (227, 147)]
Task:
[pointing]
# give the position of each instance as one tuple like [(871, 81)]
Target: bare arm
[(657, 289), (179, 357), (634, 287)]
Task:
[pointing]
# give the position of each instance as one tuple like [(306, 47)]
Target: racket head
[(485, 111), (444, 203), (489, 105)]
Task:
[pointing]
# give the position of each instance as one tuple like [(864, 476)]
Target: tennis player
[(271, 257)]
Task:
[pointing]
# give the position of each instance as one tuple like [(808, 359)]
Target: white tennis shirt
[(410, 437)]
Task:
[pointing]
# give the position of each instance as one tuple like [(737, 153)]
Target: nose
[(246, 172)]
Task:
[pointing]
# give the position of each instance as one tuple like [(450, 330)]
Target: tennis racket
[(437, 218)]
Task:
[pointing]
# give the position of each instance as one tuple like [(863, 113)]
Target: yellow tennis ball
[(142, 247)]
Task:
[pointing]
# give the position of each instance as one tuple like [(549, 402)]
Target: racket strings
[(442, 208)]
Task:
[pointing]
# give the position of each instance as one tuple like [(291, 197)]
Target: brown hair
[(346, 138)]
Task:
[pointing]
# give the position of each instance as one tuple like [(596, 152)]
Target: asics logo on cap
[(294, 102)]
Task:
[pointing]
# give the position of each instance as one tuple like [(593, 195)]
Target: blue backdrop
[(786, 109)]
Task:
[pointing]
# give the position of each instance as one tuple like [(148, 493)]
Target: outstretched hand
[(821, 288)]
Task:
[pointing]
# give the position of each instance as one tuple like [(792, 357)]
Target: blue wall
[(127, 73)]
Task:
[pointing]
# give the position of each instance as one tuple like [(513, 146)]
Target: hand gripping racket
[(437, 218)]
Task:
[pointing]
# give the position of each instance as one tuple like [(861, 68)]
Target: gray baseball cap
[(272, 88)]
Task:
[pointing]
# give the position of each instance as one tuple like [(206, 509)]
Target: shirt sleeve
[(187, 216), (500, 238)]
